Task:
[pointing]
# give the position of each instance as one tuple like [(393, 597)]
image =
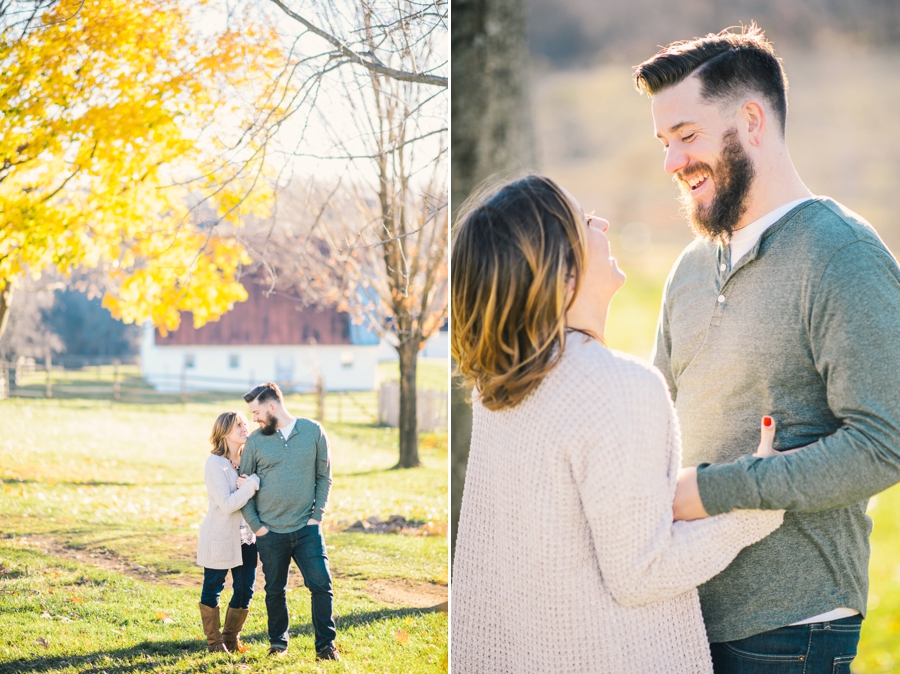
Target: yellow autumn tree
[(120, 150)]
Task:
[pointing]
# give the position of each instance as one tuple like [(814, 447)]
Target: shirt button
[(721, 299), (722, 267)]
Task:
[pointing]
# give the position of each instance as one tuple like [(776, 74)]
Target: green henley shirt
[(804, 328), (294, 477)]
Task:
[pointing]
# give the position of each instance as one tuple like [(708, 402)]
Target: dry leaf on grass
[(41, 641), (402, 637), (164, 617)]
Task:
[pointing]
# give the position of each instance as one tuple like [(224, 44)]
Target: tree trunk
[(461, 414), (409, 434), (491, 133), (6, 295), (489, 104)]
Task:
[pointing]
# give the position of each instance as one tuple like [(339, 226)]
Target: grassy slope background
[(595, 137), (100, 504)]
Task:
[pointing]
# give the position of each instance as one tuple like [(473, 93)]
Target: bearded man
[(785, 304), (293, 462)]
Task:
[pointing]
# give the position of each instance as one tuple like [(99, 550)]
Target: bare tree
[(375, 241)]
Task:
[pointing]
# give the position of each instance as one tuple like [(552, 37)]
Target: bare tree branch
[(372, 63)]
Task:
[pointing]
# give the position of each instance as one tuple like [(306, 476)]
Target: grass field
[(100, 504)]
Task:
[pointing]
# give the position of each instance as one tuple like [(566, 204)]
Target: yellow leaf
[(402, 637)]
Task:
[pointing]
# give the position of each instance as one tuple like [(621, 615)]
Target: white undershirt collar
[(286, 431), (743, 239)]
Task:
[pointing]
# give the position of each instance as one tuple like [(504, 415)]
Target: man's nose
[(675, 160)]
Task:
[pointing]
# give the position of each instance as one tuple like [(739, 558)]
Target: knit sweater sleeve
[(248, 467), (626, 469), (220, 490)]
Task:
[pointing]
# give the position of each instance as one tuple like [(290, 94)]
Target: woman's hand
[(767, 440), (241, 480)]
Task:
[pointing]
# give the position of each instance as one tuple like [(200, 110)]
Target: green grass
[(124, 482), (879, 647)]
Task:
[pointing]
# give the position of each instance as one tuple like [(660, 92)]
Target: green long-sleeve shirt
[(294, 477), (804, 328)]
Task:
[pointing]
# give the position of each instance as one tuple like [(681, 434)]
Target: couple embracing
[(267, 494), (583, 546)]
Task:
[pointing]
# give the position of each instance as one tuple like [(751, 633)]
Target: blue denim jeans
[(306, 547), (817, 648), (243, 578)]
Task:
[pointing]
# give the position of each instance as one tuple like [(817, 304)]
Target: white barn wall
[(437, 346), (343, 367)]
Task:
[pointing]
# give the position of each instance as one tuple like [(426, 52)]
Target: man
[(292, 460), (785, 304)]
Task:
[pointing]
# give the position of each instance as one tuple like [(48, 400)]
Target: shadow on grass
[(142, 657), (364, 473), (67, 483), (150, 655)]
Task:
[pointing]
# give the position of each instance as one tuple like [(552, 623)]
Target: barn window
[(234, 361), (189, 362)]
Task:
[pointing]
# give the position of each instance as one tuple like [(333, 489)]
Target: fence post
[(4, 379), (341, 407), (48, 361), (116, 393), (183, 385), (320, 399)]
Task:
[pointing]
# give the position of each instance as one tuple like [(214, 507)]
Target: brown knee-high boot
[(211, 627), (234, 622)]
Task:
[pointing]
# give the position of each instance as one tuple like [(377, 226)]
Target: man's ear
[(753, 117)]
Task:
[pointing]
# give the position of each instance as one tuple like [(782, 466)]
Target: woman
[(226, 541), (567, 558)]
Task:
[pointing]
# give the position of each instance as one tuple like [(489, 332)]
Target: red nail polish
[(767, 421)]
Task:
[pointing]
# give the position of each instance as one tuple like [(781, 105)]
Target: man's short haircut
[(727, 64), (264, 393)]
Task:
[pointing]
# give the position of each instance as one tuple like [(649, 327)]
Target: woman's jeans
[(816, 648), (243, 578), (306, 547)]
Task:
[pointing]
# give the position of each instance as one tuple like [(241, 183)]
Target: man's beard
[(732, 178), (270, 426)]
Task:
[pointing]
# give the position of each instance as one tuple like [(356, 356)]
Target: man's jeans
[(242, 580), (817, 648), (306, 547)]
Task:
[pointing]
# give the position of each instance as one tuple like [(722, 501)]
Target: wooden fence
[(121, 381), (113, 379), (431, 407)]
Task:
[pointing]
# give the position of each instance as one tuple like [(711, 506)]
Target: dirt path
[(391, 591)]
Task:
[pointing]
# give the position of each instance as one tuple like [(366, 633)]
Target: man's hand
[(687, 505), (263, 530), (311, 521)]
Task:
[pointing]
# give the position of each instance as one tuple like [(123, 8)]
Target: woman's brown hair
[(222, 426), (514, 250)]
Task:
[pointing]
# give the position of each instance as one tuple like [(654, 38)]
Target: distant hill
[(576, 32)]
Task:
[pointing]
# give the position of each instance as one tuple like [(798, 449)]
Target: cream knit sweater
[(567, 559)]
